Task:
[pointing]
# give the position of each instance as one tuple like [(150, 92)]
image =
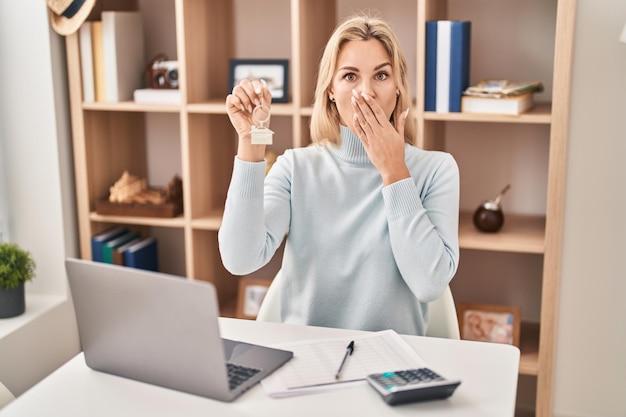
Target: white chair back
[(443, 319)]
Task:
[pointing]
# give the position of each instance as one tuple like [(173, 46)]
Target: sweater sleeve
[(251, 232), (423, 229)]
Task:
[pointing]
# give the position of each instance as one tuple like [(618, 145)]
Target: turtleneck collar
[(351, 149)]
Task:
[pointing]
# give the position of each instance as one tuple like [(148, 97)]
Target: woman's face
[(363, 66)]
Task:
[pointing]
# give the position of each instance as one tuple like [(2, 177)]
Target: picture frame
[(275, 72), (251, 294), (489, 323)]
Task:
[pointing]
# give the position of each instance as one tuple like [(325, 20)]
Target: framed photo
[(275, 72), (489, 323), (251, 294)]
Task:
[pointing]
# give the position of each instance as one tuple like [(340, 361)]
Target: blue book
[(430, 85), (98, 241), (460, 33), (142, 255)]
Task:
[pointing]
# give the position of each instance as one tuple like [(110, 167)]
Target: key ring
[(261, 135), (261, 122)]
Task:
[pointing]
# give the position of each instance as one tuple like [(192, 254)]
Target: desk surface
[(488, 372)]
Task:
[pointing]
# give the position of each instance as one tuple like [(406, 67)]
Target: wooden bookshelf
[(111, 137)]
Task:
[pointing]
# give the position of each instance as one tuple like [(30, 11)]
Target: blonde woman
[(371, 221)]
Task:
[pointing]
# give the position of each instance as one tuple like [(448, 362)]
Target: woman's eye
[(381, 76), (350, 76)]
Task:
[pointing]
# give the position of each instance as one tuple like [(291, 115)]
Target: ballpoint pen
[(349, 350)]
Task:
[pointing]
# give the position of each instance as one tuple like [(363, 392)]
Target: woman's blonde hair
[(325, 120)]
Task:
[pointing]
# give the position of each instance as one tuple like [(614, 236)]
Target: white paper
[(315, 363)]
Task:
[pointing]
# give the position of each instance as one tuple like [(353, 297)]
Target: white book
[(490, 105), (157, 96), (124, 60), (86, 62), (444, 38)]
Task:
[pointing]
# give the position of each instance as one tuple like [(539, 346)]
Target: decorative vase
[(12, 302)]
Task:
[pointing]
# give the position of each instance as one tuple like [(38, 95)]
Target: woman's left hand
[(383, 142)]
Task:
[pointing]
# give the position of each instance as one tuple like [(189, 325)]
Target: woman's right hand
[(239, 105)]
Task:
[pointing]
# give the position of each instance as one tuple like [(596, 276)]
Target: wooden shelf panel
[(529, 347), (540, 114), (132, 106), (212, 221), (523, 234), (219, 107), (177, 222)]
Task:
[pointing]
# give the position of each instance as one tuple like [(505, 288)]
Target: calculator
[(411, 385)]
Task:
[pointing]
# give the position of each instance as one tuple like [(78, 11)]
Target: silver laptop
[(163, 330)]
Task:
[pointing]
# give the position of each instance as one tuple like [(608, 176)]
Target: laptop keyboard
[(238, 374)]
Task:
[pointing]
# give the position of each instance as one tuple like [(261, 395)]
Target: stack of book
[(447, 64), (121, 246), (112, 56), (500, 97)]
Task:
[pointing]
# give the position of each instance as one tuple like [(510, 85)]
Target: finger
[(402, 122), (376, 112), (245, 92), (359, 120), (233, 102)]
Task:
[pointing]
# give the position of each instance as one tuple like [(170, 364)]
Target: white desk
[(488, 372)]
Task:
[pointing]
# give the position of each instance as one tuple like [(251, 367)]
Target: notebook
[(163, 330)]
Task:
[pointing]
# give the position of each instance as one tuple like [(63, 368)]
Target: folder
[(124, 56), (111, 245), (98, 241), (142, 255), (118, 253)]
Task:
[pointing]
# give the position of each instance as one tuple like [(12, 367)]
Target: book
[(98, 241), (516, 104), (98, 61), (124, 60), (86, 62), (143, 255), (502, 88), (157, 96), (118, 253), (447, 64), (430, 87), (111, 245)]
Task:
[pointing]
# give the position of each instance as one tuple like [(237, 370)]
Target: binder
[(86, 62), (142, 255), (124, 60), (111, 245), (98, 241), (118, 253), (430, 87), (447, 67), (459, 63)]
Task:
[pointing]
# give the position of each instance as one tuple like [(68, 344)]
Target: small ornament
[(260, 134), (489, 217)]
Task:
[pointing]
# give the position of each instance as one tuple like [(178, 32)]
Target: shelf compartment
[(178, 222), (520, 233), (539, 114)]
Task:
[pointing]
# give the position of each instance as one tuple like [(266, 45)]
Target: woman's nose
[(366, 87)]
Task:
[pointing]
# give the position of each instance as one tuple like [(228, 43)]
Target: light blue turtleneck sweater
[(358, 255)]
